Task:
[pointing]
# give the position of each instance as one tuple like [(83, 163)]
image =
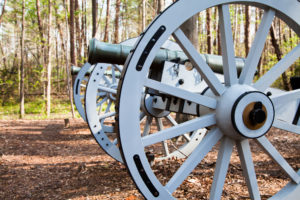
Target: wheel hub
[(243, 112), (255, 115), (146, 105)]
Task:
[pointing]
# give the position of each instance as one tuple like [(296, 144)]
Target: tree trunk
[(117, 18), (67, 63), (78, 33), (218, 34), (247, 30), (160, 6), (208, 31), (83, 29), (57, 64), (72, 34), (42, 53), (59, 34), (49, 67), (94, 16), (189, 28), (279, 54), (143, 15), (22, 110), (3, 11), (107, 19)]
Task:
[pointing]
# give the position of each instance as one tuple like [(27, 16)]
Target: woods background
[(42, 39)]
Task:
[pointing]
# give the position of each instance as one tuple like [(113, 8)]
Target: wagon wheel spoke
[(107, 115), (275, 155), (108, 106), (266, 80), (118, 67), (194, 159), (174, 123), (221, 169), (101, 94), (107, 89), (180, 129), (160, 127), (115, 142), (257, 47), (198, 62), (102, 101), (107, 81), (248, 168), (147, 126), (229, 66), (113, 74), (278, 123), (181, 93)]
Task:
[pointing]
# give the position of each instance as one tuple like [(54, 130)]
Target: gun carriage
[(225, 102)]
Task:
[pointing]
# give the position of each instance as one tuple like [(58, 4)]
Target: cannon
[(102, 52), (232, 109), (100, 92), (234, 112)]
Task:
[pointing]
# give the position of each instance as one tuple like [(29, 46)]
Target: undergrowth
[(35, 108)]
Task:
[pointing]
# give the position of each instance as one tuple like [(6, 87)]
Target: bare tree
[(3, 11), (247, 30), (22, 110), (143, 15), (49, 66), (279, 54), (117, 18), (107, 19), (208, 31), (42, 39), (160, 6), (67, 61), (78, 32), (84, 28), (72, 34), (190, 29), (94, 16)]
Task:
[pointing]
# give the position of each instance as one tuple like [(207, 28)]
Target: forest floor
[(41, 159)]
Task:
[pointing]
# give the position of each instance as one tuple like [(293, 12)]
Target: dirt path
[(42, 160)]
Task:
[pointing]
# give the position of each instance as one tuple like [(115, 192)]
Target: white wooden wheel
[(79, 89), (239, 111), (100, 99)]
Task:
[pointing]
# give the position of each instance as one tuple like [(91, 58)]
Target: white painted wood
[(227, 45)]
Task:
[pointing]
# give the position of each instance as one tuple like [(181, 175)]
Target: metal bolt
[(270, 93), (257, 115), (181, 81)]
